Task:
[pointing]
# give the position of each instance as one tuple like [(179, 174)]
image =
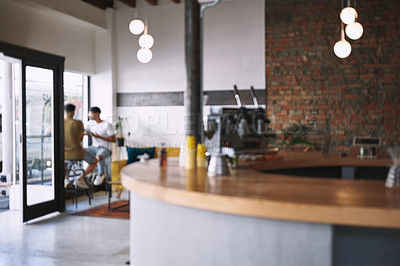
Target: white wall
[(234, 53), (234, 45), (87, 48), (45, 31), (234, 49), (151, 126), (103, 82), (166, 72)]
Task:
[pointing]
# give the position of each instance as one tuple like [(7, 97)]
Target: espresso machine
[(235, 131)]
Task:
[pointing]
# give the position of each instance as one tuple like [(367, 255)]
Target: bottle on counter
[(190, 154), (163, 156), (182, 152), (201, 159)]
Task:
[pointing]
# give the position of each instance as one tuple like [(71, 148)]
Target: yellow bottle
[(190, 155), (201, 159)]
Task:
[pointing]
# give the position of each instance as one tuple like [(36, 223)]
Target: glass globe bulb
[(146, 41), (342, 49), (348, 15), (136, 26), (354, 31), (144, 55)]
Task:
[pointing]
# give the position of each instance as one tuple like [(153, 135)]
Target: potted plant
[(119, 126), (295, 135)]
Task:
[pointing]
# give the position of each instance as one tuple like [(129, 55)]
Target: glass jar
[(393, 178)]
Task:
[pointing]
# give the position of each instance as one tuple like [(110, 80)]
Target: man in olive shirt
[(73, 150)]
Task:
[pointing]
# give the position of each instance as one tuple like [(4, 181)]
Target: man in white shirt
[(103, 136)]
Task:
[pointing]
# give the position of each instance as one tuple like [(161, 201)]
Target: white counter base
[(166, 234)]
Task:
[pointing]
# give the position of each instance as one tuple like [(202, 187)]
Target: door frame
[(31, 57)]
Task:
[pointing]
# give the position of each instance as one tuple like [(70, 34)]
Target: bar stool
[(74, 169), (108, 174)]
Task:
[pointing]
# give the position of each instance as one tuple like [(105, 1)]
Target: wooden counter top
[(317, 159), (252, 193)]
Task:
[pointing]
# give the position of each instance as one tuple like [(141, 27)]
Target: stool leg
[(76, 190), (109, 196), (119, 193)]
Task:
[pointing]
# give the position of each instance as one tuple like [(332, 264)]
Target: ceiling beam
[(152, 2), (75, 8), (102, 4), (130, 3)]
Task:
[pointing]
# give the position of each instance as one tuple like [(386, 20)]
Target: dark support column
[(193, 71)]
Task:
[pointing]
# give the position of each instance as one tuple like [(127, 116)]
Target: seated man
[(73, 151), (103, 136)]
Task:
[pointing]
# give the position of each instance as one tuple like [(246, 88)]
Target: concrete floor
[(4, 202), (64, 239)]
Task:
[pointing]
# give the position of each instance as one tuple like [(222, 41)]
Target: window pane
[(1, 120), (73, 92), (39, 134)]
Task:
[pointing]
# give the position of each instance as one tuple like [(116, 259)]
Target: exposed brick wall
[(308, 84)]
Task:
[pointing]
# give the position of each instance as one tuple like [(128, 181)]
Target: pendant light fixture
[(144, 55), (146, 40), (348, 14), (342, 48), (136, 26), (354, 30)]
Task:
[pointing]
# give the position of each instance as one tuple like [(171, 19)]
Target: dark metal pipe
[(203, 8), (253, 95), (193, 69), (237, 96)]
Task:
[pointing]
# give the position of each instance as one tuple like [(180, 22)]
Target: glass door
[(39, 131), (17, 130), (42, 138)]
